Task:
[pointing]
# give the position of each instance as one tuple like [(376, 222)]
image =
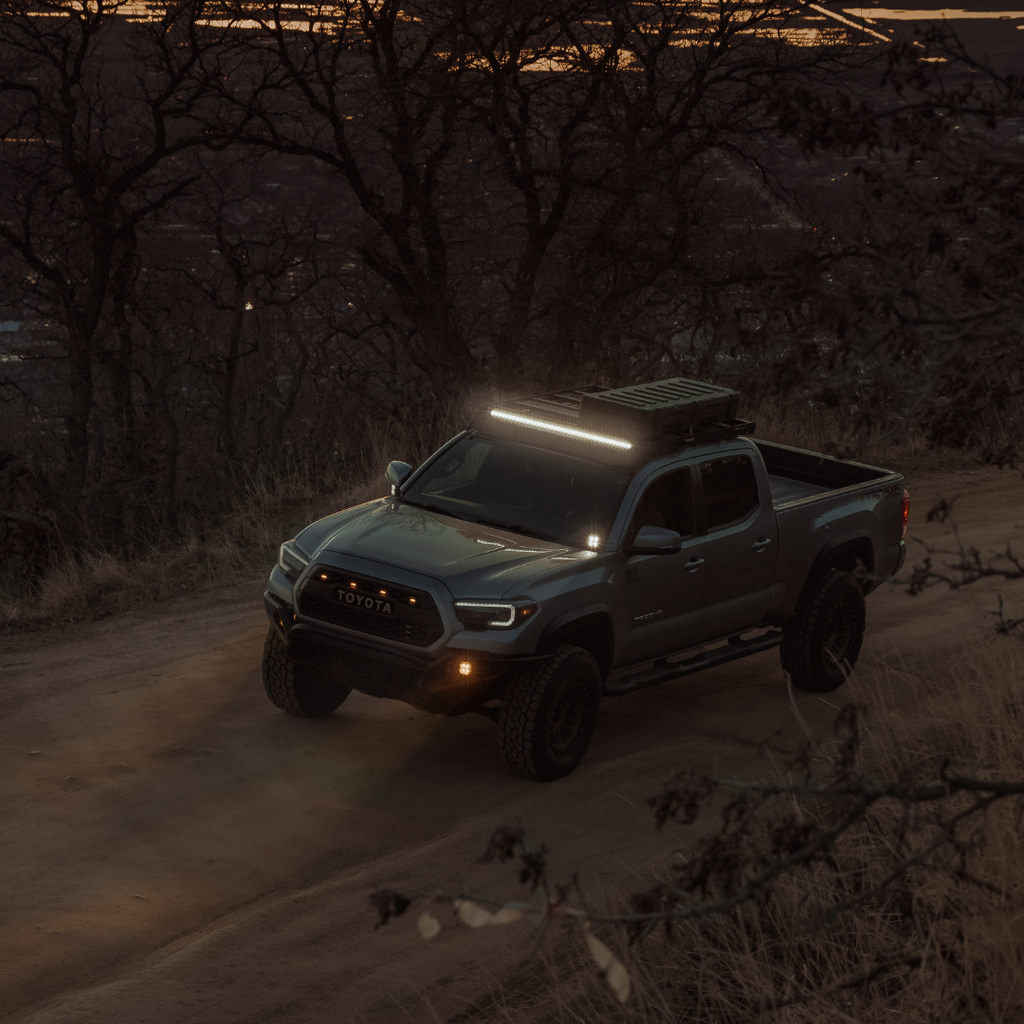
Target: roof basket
[(677, 405)]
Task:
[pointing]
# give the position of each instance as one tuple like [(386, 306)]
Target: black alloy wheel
[(823, 640), (549, 713), (294, 688)]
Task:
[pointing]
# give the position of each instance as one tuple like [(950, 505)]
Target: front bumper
[(429, 681)]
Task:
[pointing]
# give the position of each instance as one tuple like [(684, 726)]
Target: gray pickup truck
[(576, 545)]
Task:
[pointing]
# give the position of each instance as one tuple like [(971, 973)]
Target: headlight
[(493, 614), (291, 560)]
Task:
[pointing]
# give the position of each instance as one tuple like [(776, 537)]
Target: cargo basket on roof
[(619, 425)]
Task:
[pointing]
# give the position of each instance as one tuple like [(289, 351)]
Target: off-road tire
[(823, 641), (549, 713), (293, 688)]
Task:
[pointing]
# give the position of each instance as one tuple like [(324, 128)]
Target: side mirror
[(653, 540), (397, 473)]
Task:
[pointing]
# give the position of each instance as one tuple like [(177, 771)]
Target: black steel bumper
[(429, 681)]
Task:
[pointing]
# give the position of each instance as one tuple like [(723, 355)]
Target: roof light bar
[(583, 435)]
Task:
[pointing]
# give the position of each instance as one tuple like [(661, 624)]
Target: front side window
[(666, 503), (540, 493), (730, 490)]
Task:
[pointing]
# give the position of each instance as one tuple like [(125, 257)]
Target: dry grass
[(231, 548), (960, 939), (237, 547), (828, 430)]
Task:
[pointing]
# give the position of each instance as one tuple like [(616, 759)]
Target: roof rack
[(676, 410), (675, 404)]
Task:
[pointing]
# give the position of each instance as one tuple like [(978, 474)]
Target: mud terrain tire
[(823, 641), (293, 688), (549, 713)]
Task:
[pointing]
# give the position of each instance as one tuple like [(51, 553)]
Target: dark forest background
[(242, 245)]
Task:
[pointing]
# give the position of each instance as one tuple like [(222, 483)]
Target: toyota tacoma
[(578, 545)]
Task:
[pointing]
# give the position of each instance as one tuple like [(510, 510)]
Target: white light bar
[(495, 606), (583, 435)]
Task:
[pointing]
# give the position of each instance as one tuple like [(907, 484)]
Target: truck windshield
[(542, 494)]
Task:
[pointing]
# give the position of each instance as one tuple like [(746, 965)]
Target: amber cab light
[(906, 513)]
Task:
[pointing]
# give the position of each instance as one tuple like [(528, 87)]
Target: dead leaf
[(476, 917), (472, 914), (428, 925), (506, 915), (611, 968)]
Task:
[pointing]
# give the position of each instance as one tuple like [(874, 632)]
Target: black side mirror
[(653, 540), (397, 473)]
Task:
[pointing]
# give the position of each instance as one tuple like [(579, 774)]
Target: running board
[(662, 671)]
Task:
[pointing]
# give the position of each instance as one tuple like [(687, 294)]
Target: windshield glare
[(544, 494)]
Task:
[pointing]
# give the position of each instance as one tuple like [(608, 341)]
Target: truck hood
[(471, 559)]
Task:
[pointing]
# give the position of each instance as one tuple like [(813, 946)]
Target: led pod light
[(492, 614)]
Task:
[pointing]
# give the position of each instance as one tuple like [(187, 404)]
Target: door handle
[(761, 543), (693, 564)]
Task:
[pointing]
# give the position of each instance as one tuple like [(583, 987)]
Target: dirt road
[(174, 849)]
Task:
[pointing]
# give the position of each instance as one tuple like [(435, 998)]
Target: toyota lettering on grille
[(380, 605)]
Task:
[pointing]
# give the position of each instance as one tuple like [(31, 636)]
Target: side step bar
[(662, 671)]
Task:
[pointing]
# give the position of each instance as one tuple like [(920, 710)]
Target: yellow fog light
[(465, 667)]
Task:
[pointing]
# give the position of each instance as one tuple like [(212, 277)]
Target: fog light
[(593, 542), (465, 667)]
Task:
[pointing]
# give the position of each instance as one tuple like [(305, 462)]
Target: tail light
[(906, 513)]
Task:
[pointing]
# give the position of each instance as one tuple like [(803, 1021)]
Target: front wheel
[(549, 713), (823, 641), (293, 688)]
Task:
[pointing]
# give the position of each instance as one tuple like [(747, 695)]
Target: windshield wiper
[(516, 528), (438, 509)]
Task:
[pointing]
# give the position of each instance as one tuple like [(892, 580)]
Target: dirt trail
[(174, 849)]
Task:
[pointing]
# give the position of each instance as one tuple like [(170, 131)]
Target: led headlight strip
[(583, 435)]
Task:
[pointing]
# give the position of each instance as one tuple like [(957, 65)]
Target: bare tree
[(911, 298), (524, 179), (93, 115)]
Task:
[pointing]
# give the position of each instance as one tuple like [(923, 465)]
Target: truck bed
[(785, 490), (796, 475)]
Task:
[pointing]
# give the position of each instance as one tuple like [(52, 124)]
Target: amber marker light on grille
[(465, 667), (412, 600), (323, 575), (353, 584), (383, 593), (582, 435)]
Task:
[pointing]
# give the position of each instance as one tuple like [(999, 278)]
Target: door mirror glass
[(397, 473), (654, 540)]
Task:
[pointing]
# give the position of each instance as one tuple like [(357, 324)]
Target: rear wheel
[(823, 641), (549, 713), (294, 688)]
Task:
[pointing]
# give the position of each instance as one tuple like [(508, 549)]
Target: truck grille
[(371, 606)]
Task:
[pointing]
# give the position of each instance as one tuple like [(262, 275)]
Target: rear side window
[(730, 490)]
